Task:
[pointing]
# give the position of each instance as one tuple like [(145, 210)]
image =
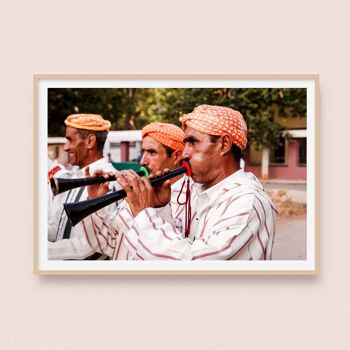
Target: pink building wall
[(291, 171), (124, 151)]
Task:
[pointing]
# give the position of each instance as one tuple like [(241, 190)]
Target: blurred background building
[(121, 146), (288, 159)]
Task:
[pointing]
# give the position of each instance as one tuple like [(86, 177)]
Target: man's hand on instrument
[(141, 194), (162, 191), (97, 190)]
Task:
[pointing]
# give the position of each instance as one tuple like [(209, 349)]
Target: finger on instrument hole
[(134, 173), (158, 173), (147, 184), (121, 181), (109, 174), (142, 184), (121, 174), (133, 180)]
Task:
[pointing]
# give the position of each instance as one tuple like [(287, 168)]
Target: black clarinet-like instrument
[(60, 185), (80, 210)]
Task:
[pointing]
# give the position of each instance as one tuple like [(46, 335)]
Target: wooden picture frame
[(307, 266)]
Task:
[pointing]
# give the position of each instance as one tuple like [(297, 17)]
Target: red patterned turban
[(216, 120)]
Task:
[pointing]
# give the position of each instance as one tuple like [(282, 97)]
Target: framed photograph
[(272, 119)]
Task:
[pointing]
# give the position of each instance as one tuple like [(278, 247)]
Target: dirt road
[(290, 239)]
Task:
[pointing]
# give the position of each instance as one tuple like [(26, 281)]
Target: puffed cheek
[(198, 158)]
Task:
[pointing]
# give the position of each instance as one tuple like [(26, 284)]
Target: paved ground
[(290, 239), (284, 185)]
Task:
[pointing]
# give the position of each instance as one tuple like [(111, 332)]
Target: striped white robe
[(111, 228), (235, 219), (79, 246)]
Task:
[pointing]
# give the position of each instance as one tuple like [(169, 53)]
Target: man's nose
[(66, 147), (186, 153), (143, 160)]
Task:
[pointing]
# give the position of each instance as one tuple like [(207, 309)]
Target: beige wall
[(56, 152), (290, 122), (173, 312)]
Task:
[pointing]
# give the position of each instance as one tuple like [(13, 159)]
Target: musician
[(85, 138), (232, 216), (162, 146)]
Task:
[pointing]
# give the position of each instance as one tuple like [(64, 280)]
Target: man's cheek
[(196, 158), (152, 166)]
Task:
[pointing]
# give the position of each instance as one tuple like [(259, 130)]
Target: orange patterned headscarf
[(216, 120), (167, 134), (92, 122)]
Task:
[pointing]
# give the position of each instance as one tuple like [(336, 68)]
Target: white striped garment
[(235, 219), (111, 228), (81, 243)]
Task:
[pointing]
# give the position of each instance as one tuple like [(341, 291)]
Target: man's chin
[(73, 162), (196, 179), (71, 159)]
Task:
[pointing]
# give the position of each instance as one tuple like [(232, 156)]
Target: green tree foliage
[(133, 108), (258, 106), (120, 106)]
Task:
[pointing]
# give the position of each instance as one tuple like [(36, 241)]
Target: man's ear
[(226, 144), (91, 141), (177, 156)]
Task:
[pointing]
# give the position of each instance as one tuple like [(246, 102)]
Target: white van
[(118, 143)]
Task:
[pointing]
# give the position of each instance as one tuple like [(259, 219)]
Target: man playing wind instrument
[(232, 217), (85, 138)]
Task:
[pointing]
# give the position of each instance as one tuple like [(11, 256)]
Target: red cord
[(187, 202)]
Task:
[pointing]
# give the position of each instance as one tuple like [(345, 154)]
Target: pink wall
[(290, 171), (124, 151)]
